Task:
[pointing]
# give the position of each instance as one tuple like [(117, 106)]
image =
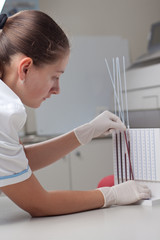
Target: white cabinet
[(143, 88), (90, 163), (145, 99), (55, 176), (82, 169)]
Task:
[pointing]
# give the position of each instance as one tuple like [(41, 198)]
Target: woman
[(34, 52)]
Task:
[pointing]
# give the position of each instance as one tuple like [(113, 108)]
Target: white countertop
[(115, 223)]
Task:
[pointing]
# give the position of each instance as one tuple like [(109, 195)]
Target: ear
[(23, 67)]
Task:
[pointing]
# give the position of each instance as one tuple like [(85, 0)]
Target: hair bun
[(3, 19)]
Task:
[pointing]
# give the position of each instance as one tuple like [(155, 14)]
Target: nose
[(55, 89)]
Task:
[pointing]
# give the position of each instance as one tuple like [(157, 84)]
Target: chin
[(33, 105), (36, 105)]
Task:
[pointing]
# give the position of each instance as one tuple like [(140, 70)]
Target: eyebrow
[(60, 71)]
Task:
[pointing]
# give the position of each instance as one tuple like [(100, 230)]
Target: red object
[(107, 181)]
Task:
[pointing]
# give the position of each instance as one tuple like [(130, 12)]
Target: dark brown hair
[(34, 34)]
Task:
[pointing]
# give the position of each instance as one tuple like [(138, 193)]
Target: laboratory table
[(118, 222)]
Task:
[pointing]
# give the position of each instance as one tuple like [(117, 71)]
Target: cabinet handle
[(78, 154)]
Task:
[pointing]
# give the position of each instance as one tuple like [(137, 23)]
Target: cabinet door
[(55, 176), (90, 163), (144, 99), (143, 88)]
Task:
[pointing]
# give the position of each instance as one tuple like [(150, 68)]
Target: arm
[(31, 197), (42, 154)]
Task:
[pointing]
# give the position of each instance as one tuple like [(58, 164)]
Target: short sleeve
[(14, 166)]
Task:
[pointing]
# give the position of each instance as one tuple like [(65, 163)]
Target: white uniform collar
[(6, 93)]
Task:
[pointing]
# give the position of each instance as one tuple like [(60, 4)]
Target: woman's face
[(41, 82)]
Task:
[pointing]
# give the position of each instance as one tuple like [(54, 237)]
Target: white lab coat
[(14, 166)]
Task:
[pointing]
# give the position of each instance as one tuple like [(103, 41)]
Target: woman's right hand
[(102, 124)]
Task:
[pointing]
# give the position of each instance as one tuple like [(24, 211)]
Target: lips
[(46, 97)]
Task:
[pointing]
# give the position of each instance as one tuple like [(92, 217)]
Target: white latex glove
[(105, 123), (124, 193)]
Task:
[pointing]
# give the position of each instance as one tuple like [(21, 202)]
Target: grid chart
[(137, 155)]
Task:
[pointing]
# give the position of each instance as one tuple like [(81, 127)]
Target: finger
[(143, 188), (146, 190), (106, 133), (114, 118), (142, 185), (110, 115), (111, 130), (145, 196), (118, 126), (120, 122)]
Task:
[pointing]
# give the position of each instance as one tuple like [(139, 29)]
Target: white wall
[(130, 19), (85, 87)]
